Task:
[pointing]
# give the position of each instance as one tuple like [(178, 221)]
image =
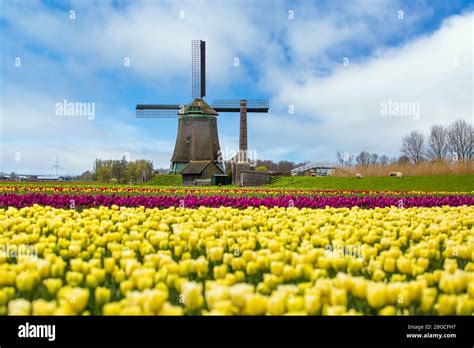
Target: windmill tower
[(197, 138), (57, 167)]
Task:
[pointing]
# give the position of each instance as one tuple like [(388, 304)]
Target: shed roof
[(195, 167)]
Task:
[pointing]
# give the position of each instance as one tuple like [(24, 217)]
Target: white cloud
[(150, 33), (342, 111)]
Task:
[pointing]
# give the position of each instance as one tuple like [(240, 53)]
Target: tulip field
[(123, 250)]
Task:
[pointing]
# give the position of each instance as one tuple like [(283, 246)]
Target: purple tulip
[(191, 201)]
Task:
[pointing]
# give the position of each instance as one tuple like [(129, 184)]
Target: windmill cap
[(199, 106)]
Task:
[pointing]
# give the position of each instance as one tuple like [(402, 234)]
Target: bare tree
[(344, 159), (340, 158), (285, 167), (460, 140), (363, 158), (437, 147), (384, 160), (413, 146), (373, 158)]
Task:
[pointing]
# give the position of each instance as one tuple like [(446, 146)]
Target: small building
[(198, 170), (255, 178), (220, 179)]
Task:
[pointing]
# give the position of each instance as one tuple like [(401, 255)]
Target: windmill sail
[(198, 69), (158, 110), (253, 105)]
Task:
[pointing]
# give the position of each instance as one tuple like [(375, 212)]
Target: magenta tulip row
[(191, 201)]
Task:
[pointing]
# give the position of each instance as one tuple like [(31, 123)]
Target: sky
[(339, 75)]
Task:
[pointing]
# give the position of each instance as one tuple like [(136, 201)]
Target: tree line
[(454, 142), (364, 158), (120, 171)]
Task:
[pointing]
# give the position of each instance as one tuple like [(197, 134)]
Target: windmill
[(197, 138), (57, 167)]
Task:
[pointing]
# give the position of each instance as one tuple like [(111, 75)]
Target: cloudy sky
[(329, 69)]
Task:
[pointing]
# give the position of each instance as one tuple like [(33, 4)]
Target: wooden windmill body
[(197, 138)]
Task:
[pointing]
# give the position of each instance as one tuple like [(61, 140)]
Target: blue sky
[(334, 62)]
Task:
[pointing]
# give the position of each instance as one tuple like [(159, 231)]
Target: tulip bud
[(102, 295)]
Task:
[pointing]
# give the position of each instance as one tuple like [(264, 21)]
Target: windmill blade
[(253, 105), (158, 110), (198, 68)]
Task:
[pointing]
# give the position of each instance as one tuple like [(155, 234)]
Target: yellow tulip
[(25, 281), (102, 295), (43, 267), (220, 271), (428, 299), (276, 304), (215, 254), (388, 310), (450, 265), (74, 278), (256, 304), (201, 267), (224, 307), (43, 307), (239, 294), (74, 250), (376, 295), (446, 304), (192, 295), (464, 306), (109, 265), (338, 297), (276, 268), (113, 308), (252, 268), (389, 265), (131, 310), (295, 303), (19, 307), (216, 293), (169, 309), (91, 281), (312, 302), (155, 299), (74, 298), (126, 286), (240, 276), (359, 288), (334, 310), (53, 285), (3, 297), (75, 265)]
